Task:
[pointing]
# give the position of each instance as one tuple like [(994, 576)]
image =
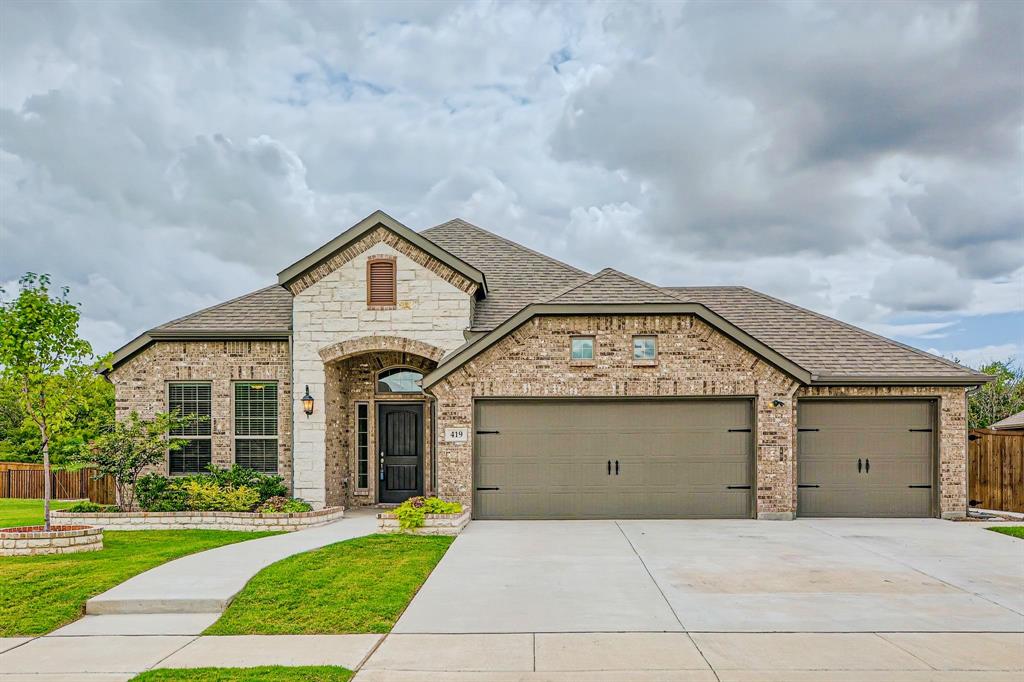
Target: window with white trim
[(191, 399), (256, 425), (582, 348)]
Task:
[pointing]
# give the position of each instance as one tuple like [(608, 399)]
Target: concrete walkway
[(205, 583)]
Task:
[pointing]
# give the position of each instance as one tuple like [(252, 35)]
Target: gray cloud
[(163, 157)]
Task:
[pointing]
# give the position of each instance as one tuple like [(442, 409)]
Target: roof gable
[(612, 286), (331, 255)]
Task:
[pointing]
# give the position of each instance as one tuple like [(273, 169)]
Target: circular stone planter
[(201, 520), (62, 539)]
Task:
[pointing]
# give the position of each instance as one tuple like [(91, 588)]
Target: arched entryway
[(379, 438)]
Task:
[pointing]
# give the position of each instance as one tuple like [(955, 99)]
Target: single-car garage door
[(592, 459), (865, 457)]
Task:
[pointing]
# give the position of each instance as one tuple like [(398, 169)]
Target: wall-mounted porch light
[(777, 403), (307, 402)]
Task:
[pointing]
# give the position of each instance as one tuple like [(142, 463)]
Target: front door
[(400, 448)]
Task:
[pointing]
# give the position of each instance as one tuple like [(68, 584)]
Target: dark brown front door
[(400, 448)]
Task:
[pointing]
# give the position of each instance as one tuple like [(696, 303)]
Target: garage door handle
[(488, 488), (919, 486), (808, 485), (616, 467), (867, 466), (609, 467), (737, 487), (858, 465)]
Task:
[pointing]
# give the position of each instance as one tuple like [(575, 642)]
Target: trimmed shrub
[(208, 495), (156, 493), (282, 505), (87, 507), (265, 485), (412, 513)]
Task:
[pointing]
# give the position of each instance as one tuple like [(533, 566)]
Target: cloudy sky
[(865, 160)]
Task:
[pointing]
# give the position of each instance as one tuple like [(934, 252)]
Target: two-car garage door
[(582, 459)]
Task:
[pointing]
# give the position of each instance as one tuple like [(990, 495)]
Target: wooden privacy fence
[(27, 481), (996, 470)]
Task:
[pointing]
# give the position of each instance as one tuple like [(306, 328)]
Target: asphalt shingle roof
[(516, 276), (612, 286), (1013, 422), (268, 310), (819, 344)]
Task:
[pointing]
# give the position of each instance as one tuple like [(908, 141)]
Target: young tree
[(130, 445), (42, 355), (997, 399)]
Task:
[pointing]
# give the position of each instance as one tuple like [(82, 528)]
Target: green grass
[(40, 593), (18, 512), (1015, 531), (360, 585), (271, 673)]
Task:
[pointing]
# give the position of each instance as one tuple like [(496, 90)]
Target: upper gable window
[(645, 348), (381, 281), (582, 348)]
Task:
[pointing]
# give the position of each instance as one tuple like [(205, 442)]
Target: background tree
[(46, 361), (128, 446), (997, 399)]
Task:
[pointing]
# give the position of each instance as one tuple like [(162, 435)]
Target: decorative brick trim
[(368, 344), (62, 539), (189, 520), (433, 524), (382, 234)]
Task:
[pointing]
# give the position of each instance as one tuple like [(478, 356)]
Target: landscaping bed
[(357, 586), (424, 516), (201, 520), (59, 539)]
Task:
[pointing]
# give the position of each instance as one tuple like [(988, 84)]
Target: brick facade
[(693, 360), (141, 385)]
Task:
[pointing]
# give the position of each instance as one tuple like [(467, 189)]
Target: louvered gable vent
[(380, 281)]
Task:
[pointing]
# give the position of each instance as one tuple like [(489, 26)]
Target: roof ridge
[(216, 306), (930, 356), (517, 245), (572, 287), (641, 282)]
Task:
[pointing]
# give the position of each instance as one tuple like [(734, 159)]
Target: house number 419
[(456, 435)]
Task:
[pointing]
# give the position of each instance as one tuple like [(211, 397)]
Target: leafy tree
[(128, 446), (43, 357), (997, 399)]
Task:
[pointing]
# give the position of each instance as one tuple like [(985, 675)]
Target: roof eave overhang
[(366, 225), (471, 350), (144, 340), (890, 380)]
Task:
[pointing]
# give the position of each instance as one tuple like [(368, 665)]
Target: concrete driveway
[(920, 575)]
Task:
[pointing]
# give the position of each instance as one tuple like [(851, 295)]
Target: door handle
[(867, 466), (616, 467), (858, 465), (609, 467), (380, 465)]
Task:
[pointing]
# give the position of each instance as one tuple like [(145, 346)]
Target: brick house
[(457, 363)]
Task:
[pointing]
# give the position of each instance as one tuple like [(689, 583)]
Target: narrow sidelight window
[(362, 445), (645, 348), (582, 348), (381, 282), (191, 399), (256, 426)]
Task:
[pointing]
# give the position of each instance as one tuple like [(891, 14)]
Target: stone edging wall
[(63, 539), (202, 520), (433, 524)]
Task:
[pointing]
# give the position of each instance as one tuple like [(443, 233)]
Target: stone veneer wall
[(693, 360), (141, 385), (951, 425), (353, 380), (434, 307), (199, 520), (433, 524)]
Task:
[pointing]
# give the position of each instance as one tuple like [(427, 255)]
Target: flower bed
[(433, 524), (201, 520), (60, 539)]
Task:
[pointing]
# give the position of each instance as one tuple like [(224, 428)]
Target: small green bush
[(156, 493), (282, 505), (266, 485), (208, 495), (232, 489), (87, 507), (412, 513)]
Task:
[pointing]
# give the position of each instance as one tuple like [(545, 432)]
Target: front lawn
[(23, 512), (40, 593), (359, 585), (1015, 531), (274, 673)]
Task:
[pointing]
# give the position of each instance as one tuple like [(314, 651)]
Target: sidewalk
[(205, 583)]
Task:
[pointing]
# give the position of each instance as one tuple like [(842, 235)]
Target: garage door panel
[(676, 459), (866, 458)]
